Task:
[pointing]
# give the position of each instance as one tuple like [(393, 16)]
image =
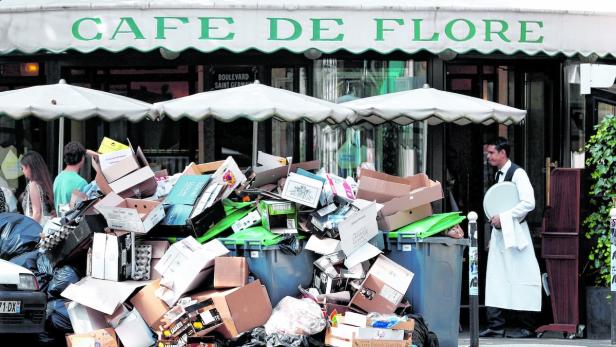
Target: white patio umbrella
[(255, 102), (62, 100), (434, 106)]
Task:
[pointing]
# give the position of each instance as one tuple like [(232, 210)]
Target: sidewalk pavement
[(553, 340)]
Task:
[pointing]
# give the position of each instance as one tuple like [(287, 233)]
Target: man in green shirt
[(69, 179)]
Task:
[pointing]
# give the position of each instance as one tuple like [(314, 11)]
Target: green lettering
[(524, 31), (206, 27), (132, 26), (380, 28), (317, 28), (160, 26), (417, 32), (77, 33), (449, 30), (501, 33), (297, 29)]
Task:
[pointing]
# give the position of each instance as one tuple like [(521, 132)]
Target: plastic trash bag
[(290, 245), (44, 265), (57, 317), (62, 277), (258, 338), (27, 260), (296, 317), (18, 234)]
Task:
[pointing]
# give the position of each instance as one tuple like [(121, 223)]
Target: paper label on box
[(407, 248), (207, 317), (290, 223), (390, 294), (302, 189), (254, 254)]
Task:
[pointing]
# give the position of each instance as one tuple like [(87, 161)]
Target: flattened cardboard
[(186, 264), (391, 273), (358, 229), (110, 145), (242, 309), (151, 308), (101, 295), (229, 176), (98, 338), (84, 319), (133, 332), (135, 215), (230, 272)]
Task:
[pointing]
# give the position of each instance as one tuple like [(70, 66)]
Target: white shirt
[(525, 190)]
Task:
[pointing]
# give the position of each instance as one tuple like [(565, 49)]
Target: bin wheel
[(539, 335)]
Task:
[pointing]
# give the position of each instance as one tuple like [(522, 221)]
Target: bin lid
[(224, 224), (429, 226), (255, 235)]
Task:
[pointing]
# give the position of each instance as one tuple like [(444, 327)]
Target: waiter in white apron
[(513, 280)]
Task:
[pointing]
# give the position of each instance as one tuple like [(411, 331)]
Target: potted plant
[(601, 160)]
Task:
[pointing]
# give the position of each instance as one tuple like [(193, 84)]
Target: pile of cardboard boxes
[(141, 289)]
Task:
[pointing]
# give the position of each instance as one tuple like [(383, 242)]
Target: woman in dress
[(38, 197)]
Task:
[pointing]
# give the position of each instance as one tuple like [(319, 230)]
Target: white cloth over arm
[(513, 279)]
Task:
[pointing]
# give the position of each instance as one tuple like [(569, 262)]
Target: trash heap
[(279, 254)]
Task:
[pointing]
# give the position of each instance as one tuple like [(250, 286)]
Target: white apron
[(513, 279)]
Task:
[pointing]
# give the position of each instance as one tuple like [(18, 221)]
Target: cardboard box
[(357, 229), (200, 169), (241, 309), (140, 182), (133, 332), (151, 308), (279, 217), (384, 287), (230, 272), (404, 200), (84, 319), (185, 265), (111, 256), (198, 319), (118, 164), (340, 336), (134, 215), (158, 251), (77, 242), (272, 176), (98, 338), (407, 340), (302, 190)]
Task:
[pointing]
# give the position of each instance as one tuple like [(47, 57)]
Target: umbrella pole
[(255, 138), (61, 145), (424, 163)]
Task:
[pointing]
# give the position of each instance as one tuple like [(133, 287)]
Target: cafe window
[(388, 147)]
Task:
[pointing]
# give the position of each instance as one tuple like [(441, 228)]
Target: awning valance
[(507, 26)]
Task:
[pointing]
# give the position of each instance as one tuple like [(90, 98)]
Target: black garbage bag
[(18, 234), (57, 317), (422, 336), (27, 260), (290, 245), (62, 277), (258, 338)]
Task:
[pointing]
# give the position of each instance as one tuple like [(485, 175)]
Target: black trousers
[(498, 317)]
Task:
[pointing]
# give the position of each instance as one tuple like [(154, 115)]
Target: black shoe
[(492, 333), (521, 334)]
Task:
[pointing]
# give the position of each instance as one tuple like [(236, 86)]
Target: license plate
[(10, 306)]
